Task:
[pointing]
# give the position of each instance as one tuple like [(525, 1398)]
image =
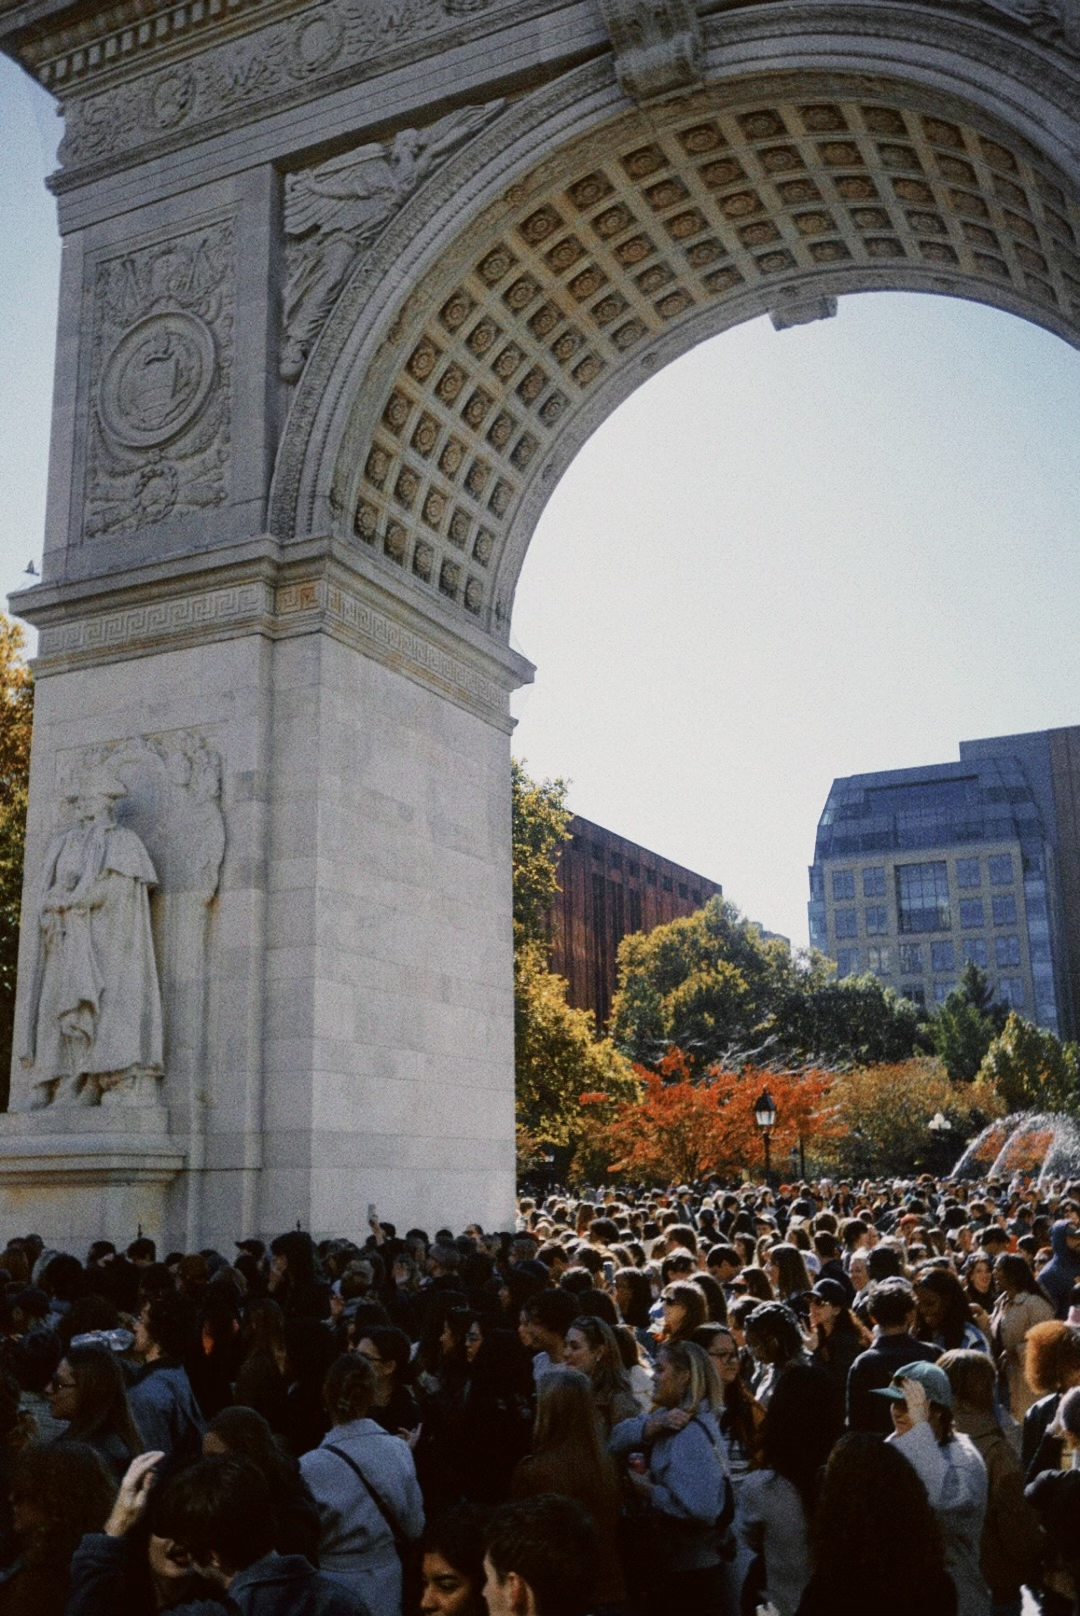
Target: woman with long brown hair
[(591, 1347), (265, 1374), (58, 1494), (568, 1457), (742, 1416), (1022, 1303), (88, 1392)]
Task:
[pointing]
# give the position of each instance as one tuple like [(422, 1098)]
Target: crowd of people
[(831, 1399)]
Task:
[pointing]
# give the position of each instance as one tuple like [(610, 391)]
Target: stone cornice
[(261, 587)]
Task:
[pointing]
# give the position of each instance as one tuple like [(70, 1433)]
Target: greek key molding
[(323, 596), (345, 613), (154, 625)]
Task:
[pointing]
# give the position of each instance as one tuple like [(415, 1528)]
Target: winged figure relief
[(334, 211)]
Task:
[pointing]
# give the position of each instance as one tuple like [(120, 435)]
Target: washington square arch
[(345, 287)]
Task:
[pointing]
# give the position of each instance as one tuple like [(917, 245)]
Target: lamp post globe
[(765, 1117)]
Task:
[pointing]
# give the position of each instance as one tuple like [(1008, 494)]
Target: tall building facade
[(608, 888), (918, 871)]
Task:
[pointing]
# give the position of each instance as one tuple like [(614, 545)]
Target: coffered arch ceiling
[(640, 240)]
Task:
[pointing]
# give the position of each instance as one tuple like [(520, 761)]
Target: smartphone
[(609, 1271), (371, 1211)]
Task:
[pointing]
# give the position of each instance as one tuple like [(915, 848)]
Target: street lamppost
[(765, 1117)]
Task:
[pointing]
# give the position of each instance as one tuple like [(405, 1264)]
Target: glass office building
[(918, 871)]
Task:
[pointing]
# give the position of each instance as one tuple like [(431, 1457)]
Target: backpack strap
[(400, 1541)]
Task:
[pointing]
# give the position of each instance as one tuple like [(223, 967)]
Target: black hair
[(169, 1322), (219, 1506), (550, 1543)]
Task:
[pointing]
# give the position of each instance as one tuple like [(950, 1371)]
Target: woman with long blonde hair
[(677, 1466)]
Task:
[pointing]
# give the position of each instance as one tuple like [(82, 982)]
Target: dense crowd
[(830, 1399)]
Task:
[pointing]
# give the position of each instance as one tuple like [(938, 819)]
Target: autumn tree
[(882, 1115), (1031, 1069), (684, 1127), (16, 723), (558, 1056), (558, 1059)]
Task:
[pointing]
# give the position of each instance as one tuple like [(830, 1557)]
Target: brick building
[(610, 887)]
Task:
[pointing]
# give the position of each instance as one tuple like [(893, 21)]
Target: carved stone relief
[(658, 47), (335, 210), (331, 38), (117, 985), (160, 373)]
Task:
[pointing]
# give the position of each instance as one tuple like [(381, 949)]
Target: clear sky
[(787, 557)]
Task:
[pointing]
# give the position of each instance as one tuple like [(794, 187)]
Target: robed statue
[(92, 1031)]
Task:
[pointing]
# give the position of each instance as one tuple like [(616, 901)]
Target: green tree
[(858, 1020), (706, 982), (713, 986), (539, 820), (963, 1028), (16, 723), (1031, 1069), (558, 1058)]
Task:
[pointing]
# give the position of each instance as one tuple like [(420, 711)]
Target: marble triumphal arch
[(345, 286)]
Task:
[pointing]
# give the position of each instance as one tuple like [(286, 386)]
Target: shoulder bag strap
[(384, 1511)]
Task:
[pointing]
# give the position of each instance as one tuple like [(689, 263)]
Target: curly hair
[(1052, 1356)]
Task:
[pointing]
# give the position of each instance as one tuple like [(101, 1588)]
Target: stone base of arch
[(353, 1042)]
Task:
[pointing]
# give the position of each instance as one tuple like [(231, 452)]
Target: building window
[(971, 912), (942, 991), (915, 992), (847, 962), (877, 919), (665, 882), (616, 861), (843, 884), (635, 909), (632, 869), (1005, 910), (968, 873), (696, 895), (650, 878), (910, 957), (877, 958), (845, 922), (1007, 950), (598, 850), (818, 934), (1011, 991), (817, 881), (684, 891), (922, 897), (975, 952), (942, 957), (1000, 868), (873, 882)]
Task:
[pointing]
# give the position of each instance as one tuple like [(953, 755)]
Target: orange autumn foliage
[(681, 1130)]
